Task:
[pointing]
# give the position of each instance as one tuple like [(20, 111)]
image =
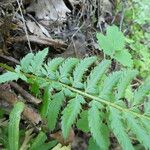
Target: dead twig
[(28, 97), (9, 58), (29, 112), (40, 40), (25, 28), (122, 15)]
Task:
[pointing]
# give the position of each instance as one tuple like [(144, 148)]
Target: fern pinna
[(114, 106)]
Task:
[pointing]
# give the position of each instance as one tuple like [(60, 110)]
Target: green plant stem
[(102, 100), (8, 68)]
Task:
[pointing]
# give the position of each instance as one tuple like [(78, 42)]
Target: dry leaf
[(54, 10), (59, 137)]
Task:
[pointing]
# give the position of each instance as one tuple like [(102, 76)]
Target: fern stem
[(102, 100), (8, 68)]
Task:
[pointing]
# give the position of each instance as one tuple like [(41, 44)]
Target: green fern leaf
[(66, 68), (141, 92), (124, 82), (109, 83), (110, 43), (82, 123), (146, 124), (70, 113), (39, 141), (8, 76), (92, 145), (96, 127), (114, 47), (69, 93), (141, 134), (37, 61), (46, 102), (95, 77), (111, 88), (124, 57), (13, 126), (118, 129), (52, 66), (80, 69), (54, 109), (26, 62)]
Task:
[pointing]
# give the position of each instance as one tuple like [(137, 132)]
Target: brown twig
[(9, 58), (28, 112), (25, 28), (40, 40), (28, 97)]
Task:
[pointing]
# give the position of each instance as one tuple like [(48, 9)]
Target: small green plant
[(95, 101), (113, 44), (136, 23)]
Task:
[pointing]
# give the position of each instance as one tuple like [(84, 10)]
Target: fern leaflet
[(37, 61), (66, 68), (95, 76), (54, 108), (124, 81), (52, 66), (39, 141), (108, 85), (138, 130), (26, 61), (118, 129), (141, 92), (8, 76), (80, 69), (46, 102), (70, 113), (95, 125)]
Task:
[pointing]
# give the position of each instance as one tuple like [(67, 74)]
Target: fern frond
[(141, 134), (54, 108), (141, 92), (70, 113), (118, 129), (66, 68), (95, 76), (95, 125), (111, 89), (109, 83), (13, 126), (8, 76), (80, 69), (124, 82)]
